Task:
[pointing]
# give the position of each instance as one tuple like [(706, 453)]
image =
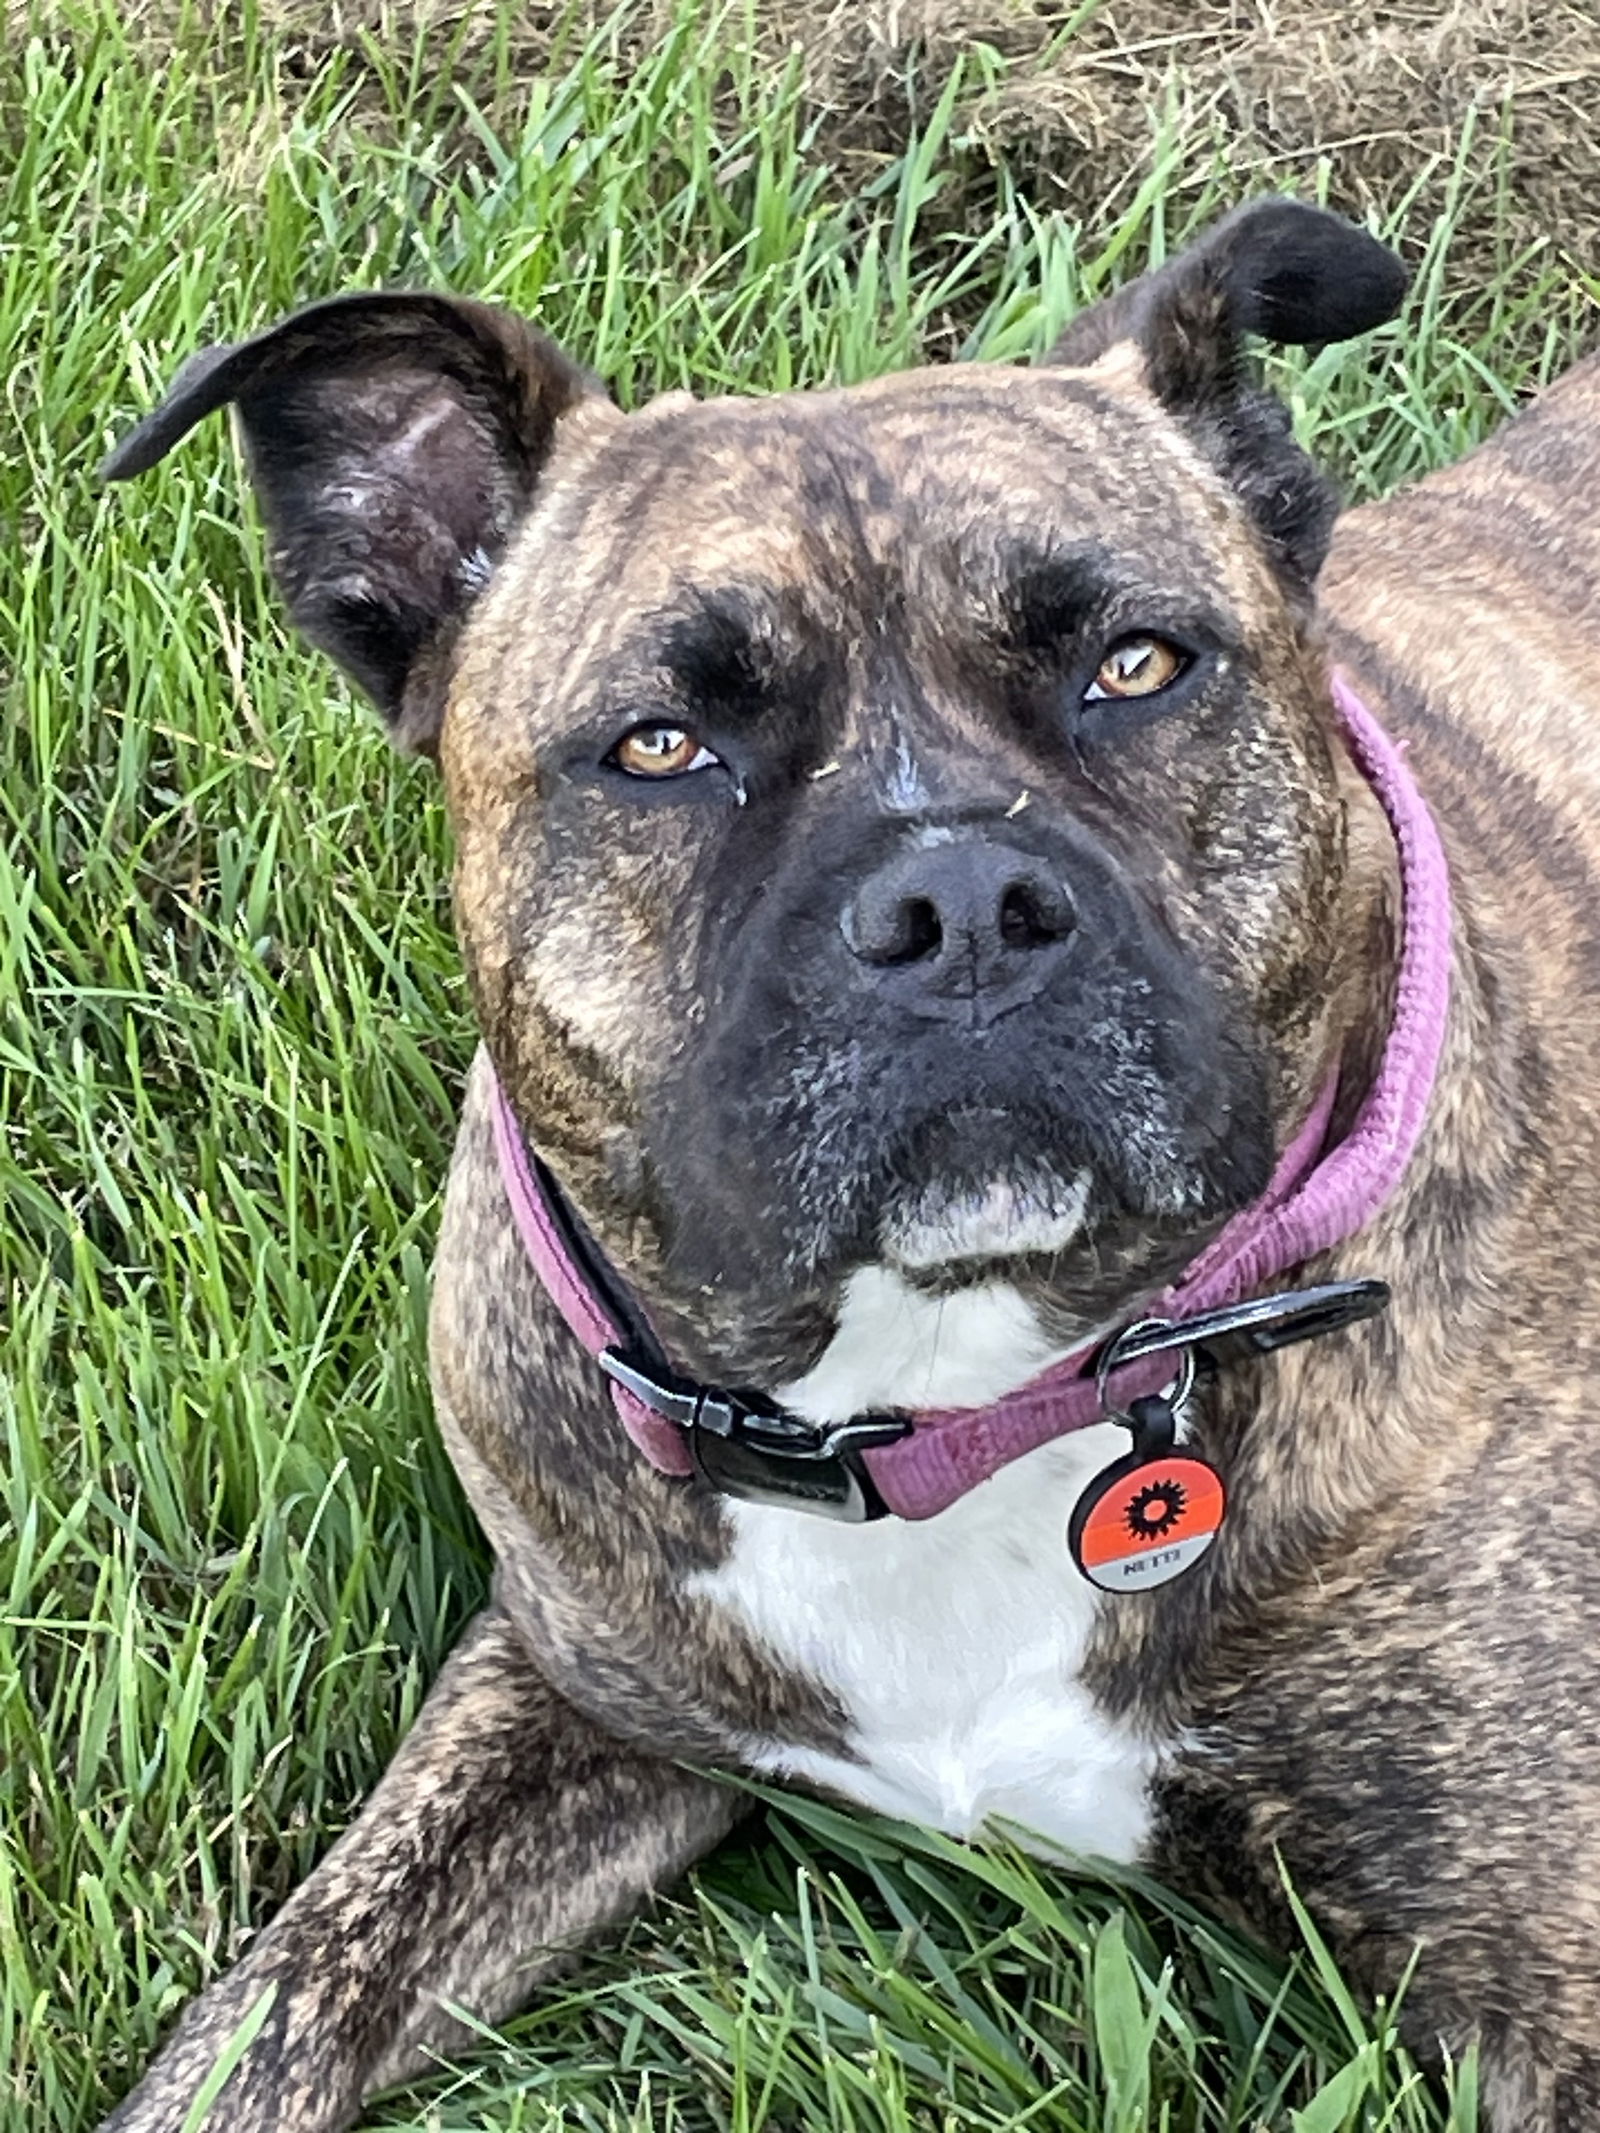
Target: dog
[(1019, 1240)]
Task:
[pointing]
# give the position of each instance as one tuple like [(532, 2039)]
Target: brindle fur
[(1386, 1671)]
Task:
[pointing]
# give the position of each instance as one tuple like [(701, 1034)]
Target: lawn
[(232, 1030)]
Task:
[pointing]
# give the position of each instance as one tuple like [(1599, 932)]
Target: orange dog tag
[(1148, 1517)]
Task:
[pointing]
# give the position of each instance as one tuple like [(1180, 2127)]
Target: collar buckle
[(758, 1454)]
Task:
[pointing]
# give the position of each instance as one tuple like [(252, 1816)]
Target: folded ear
[(1279, 268), (394, 441)]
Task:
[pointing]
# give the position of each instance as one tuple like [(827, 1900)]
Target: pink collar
[(917, 1466)]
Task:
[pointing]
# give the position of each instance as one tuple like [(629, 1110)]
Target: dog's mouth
[(942, 1221), (984, 1185), (1079, 1207)]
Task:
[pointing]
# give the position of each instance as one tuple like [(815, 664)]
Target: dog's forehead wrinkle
[(892, 747), (916, 520), (904, 787)]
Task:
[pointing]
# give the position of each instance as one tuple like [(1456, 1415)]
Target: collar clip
[(761, 1455), (1259, 1326)]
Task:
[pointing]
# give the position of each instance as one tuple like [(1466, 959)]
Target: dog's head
[(896, 826)]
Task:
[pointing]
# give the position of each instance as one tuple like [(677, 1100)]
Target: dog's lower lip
[(1003, 1220)]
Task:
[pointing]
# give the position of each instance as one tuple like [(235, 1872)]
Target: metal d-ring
[(1174, 1393)]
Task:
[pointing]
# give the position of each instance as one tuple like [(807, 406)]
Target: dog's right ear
[(394, 441)]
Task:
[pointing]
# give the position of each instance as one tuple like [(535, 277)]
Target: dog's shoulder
[(1475, 586), (1465, 604)]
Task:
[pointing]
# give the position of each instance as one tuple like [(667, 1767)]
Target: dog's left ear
[(394, 440), (1278, 268)]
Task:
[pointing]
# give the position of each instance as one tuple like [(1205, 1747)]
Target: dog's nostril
[(904, 930), (1033, 914), (893, 928), (920, 931)]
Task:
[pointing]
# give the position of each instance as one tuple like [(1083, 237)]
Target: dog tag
[(1149, 1517)]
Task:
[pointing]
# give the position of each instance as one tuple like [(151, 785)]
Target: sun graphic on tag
[(1144, 1521)]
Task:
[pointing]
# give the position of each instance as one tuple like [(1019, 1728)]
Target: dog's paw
[(253, 2055)]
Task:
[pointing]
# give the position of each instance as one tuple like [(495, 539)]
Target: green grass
[(232, 1030)]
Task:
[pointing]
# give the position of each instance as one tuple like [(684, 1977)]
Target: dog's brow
[(1048, 592), (724, 643)]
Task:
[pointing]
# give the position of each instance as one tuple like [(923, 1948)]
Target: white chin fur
[(1001, 1222)]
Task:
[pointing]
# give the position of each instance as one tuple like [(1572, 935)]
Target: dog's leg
[(507, 1828)]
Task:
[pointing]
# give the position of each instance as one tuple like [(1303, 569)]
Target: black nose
[(963, 930)]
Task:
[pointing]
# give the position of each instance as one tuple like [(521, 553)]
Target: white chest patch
[(954, 1644)]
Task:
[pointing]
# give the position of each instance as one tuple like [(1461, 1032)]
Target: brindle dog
[(913, 886)]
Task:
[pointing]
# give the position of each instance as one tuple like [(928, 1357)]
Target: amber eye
[(1136, 666), (660, 752)]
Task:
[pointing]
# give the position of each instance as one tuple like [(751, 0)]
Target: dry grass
[(1372, 91), (1376, 105)]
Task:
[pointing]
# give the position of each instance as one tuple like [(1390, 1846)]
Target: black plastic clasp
[(761, 1455), (1258, 1327)]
